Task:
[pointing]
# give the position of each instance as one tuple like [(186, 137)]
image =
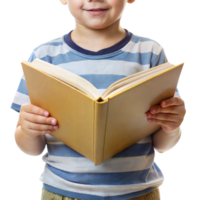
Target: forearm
[(164, 141), (31, 146)]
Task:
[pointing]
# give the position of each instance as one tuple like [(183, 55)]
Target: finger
[(33, 133), (169, 125), (173, 101), (165, 117), (40, 119), (30, 108), (170, 109), (40, 127)]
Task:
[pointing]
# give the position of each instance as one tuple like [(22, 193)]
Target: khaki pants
[(46, 195)]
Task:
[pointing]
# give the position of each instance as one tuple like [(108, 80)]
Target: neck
[(96, 39)]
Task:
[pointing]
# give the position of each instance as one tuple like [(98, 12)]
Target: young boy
[(102, 52)]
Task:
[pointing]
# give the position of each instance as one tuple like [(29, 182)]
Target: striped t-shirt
[(128, 174)]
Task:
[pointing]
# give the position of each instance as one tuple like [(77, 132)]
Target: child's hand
[(169, 114), (34, 121)]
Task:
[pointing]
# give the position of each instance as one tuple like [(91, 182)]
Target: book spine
[(99, 130)]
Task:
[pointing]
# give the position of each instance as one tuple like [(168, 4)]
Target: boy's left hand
[(169, 114)]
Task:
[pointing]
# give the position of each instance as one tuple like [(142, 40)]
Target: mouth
[(101, 9), (97, 11)]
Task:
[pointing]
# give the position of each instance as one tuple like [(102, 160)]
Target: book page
[(134, 79), (66, 76)]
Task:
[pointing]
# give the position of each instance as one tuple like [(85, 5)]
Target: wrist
[(26, 135), (173, 132), (163, 141), (29, 145)]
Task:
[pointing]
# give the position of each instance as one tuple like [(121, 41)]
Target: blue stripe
[(22, 87), (119, 178), (139, 38), (46, 44), (15, 107), (142, 58), (158, 59), (134, 150), (101, 81), (178, 90)]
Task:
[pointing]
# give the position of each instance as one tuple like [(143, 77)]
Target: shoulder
[(54, 42), (146, 51), (50, 49), (145, 45), (136, 38)]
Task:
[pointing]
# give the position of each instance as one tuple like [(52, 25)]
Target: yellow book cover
[(100, 126)]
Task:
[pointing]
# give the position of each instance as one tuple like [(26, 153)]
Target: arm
[(169, 114), (164, 141), (31, 146)]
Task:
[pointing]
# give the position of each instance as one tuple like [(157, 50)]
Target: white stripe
[(116, 67), (176, 94), (110, 67), (21, 98), (99, 190), (84, 165), (142, 47), (50, 50), (23, 77), (51, 139)]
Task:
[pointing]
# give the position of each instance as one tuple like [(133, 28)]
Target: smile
[(97, 12)]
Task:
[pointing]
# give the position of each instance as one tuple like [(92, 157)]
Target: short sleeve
[(177, 93), (21, 96), (159, 60)]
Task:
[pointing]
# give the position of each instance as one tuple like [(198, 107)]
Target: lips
[(96, 9), (96, 12)]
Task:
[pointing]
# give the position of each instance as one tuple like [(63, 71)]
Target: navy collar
[(108, 50)]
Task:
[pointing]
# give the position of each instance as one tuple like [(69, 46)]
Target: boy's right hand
[(34, 121)]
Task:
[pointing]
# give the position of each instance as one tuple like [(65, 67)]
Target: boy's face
[(99, 19)]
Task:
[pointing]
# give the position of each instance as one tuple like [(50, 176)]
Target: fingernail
[(55, 127), (164, 103), (45, 113), (53, 121), (149, 120)]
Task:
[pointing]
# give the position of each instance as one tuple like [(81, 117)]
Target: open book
[(99, 126)]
